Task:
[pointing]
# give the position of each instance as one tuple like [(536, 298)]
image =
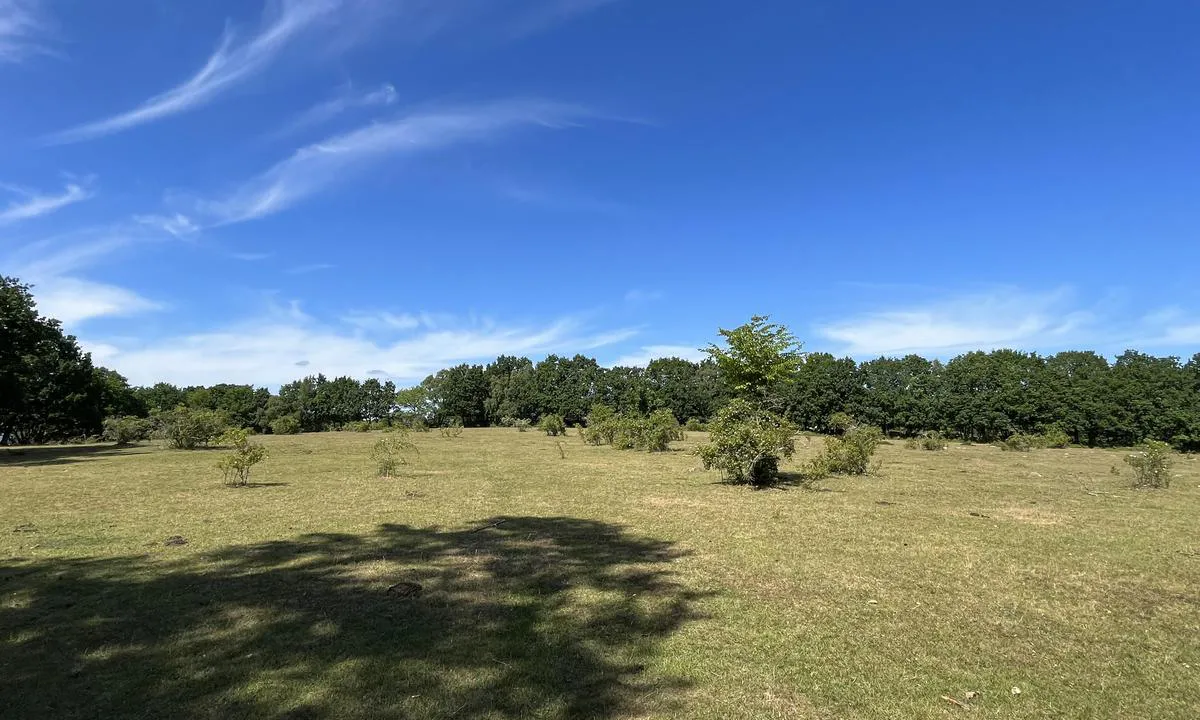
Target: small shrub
[(391, 451), (847, 454), (552, 425), (1021, 442), (601, 425), (243, 455), (358, 426), (453, 430), (185, 428), (1151, 465), (626, 429), (932, 440), (840, 422), (656, 432), (746, 443), (1055, 437), (286, 425), (126, 429), (695, 425), (415, 423), (521, 424)]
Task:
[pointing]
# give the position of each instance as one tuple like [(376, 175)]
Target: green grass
[(607, 584)]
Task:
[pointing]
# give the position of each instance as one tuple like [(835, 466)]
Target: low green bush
[(392, 450), (847, 454), (695, 425), (840, 422), (931, 440), (285, 425), (126, 429), (1055, 437), (1151, 465), (552, 425), (186, 428), (235, 465), (746, 443), (1021, 442)]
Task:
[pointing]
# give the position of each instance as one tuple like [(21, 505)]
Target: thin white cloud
[(1182, 335), (74, 301), (306, 269), (179, 225), (250, 256), (280, 348), (34, 204), (315, 167), (344, 101), (1003, 318), (64, 254), (643, 356), (22, 23), (385, 321), (538, 16), (230, 64)]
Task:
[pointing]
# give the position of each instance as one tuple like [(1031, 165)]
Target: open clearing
[(607, 584)]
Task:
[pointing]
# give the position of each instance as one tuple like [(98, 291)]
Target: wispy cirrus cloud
[(66, 253), (74, 301), (233, 62), (538, 16), (315, 167), (310, 268), (34, 204), (53, 266), (250, 256), (345, 100), (22, 25), (279, 347), (387, 321), (1004, 317), (179, 225)]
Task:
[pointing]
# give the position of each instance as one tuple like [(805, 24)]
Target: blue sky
[(236, 191)]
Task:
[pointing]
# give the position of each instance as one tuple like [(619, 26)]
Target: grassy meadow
[(497, 579)]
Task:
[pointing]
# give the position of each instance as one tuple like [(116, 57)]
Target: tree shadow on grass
[(62, 454), (519, 618)]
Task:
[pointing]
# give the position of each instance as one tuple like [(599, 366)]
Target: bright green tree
[(759, 360)]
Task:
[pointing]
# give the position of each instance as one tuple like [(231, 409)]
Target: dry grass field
[(496, 579)]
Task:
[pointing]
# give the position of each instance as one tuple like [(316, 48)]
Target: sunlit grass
[(607, 584)]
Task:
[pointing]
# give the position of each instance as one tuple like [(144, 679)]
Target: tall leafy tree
[(461, 395), (1151, 400), (1077, 392), (49, 388), (117, 398), (760, 359), (681, 387), (822, 386), (378, 399), (901, 395), (512, 389), (567, 386), (626, 390), (160, 397)]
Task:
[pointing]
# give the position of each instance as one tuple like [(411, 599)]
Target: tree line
[(50, 390)]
